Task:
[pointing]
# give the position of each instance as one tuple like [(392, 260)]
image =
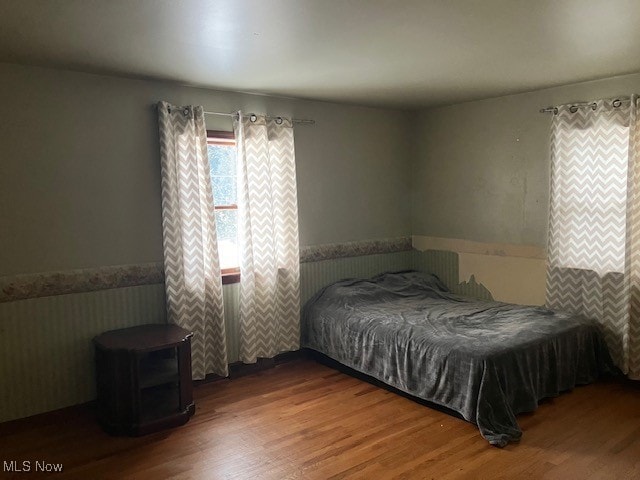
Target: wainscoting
[(46, 354), (315, 275), (513, 273)]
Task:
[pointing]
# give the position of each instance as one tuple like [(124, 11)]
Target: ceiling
[(404, 53)]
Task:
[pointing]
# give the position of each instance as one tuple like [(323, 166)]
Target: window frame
[(225, 138)]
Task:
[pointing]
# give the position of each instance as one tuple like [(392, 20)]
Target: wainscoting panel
[(231, 299), (315, 275), (446, 266), (443, 264), (512, 273), (46, 354)]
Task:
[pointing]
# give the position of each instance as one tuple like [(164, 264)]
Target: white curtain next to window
[(268, 228), (192, 272), (594, 228)]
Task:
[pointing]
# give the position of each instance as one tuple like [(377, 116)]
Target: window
[(221, 147)]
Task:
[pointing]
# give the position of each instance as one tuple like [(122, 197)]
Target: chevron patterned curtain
[(191, 264), (594, 227), (270, 265)]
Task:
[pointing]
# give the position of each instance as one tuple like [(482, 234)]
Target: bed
[(486, 360)]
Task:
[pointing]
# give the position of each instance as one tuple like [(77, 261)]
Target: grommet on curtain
[(555, 110), (616, 103), (594, 105), (186, 111), (573, 109), (253, 117), (279, 120)]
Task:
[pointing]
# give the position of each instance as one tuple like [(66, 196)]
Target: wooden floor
[(303, 420)]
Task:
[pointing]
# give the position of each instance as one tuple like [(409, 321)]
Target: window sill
[(229, 278)]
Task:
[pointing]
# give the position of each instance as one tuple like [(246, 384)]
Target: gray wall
[(80, 175), (481, 169)]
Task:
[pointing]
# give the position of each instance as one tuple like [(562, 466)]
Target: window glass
[(223, 167), (222, 159)]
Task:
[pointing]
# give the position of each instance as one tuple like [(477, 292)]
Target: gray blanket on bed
[(486, 360)]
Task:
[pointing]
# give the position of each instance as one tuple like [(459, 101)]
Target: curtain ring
[(616, 103), (279, 120), (573, 109), (253, 117), (594, 105), (555, 110), (185, 111)]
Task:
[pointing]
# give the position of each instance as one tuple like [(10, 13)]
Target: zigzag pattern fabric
[(270, 265), (594, 225), (191, 264)]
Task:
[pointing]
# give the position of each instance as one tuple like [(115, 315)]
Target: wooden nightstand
[(143, 379)]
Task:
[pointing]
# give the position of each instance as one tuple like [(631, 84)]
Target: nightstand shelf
[(143, 379), (157, 371)]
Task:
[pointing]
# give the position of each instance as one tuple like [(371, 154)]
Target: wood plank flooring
[(304, 420)]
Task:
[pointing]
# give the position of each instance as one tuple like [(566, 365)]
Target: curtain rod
[(615, 102), (293, 120)]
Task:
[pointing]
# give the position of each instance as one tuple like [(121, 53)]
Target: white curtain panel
[(594, 241), (191, 264), (270, 265)]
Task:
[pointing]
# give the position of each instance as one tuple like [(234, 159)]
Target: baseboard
[(239, 369)]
